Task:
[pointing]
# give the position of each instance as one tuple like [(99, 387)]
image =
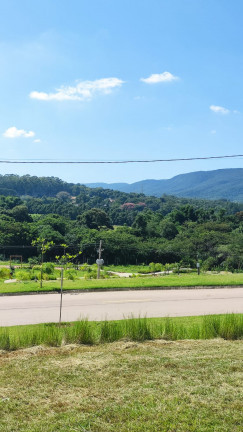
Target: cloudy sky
[(120, 79)]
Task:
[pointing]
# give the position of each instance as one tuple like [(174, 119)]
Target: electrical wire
[(47, 161)]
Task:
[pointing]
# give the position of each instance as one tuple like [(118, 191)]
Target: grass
[(157, 386), (172, 280), (227, 326)]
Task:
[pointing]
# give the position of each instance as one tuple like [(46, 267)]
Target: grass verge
[(228, 326), (183, 280), (157, 386)]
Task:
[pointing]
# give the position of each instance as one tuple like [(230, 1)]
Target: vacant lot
[(125, 386), (171, 280)]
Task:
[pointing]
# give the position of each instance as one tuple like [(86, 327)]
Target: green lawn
[(172, 280), (156, 386)]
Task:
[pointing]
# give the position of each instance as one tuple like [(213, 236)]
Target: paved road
[(32, 309)]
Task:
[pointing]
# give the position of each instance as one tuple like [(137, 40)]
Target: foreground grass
[(172, 280), (157, 386), (228, 326)]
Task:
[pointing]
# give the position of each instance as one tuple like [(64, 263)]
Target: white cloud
[(13, 132), (219, 110), (158, 78), (84, 90), (37, 140)]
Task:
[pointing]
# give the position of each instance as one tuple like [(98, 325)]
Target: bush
[(91, 275), (155, 267), (5, 273), (23, 275), (36, 267), (33, 261), (71, 274), (48, 268), (86, 267), (209, 263), (35, 275)]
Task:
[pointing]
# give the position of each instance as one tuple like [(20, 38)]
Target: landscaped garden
[(28, 279)]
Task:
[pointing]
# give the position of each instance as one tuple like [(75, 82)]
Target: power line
[(48, 161)]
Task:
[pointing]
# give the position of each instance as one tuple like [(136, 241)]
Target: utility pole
[(198, 265), (99, 261), (60, 315), (42, 259)]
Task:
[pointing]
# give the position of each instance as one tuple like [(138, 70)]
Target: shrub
[(5, 273), (36, 267), (33, 261), (71, 274), (48, 268), (86, 267), (35, 275), (91, 275), (23, 275), (155, 267)]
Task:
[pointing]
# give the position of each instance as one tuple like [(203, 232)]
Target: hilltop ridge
[(216, 184)]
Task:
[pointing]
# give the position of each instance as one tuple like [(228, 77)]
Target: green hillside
[(218, 184)]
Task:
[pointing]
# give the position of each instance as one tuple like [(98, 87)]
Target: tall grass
[(111, 331), (228, 326), (231, 327), (171, 330), (138, 329), (81, 332), (5, 343)]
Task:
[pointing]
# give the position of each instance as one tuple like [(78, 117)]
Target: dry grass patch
[(180, 386)]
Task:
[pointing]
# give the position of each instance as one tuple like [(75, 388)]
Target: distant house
[(141, 204), (131, 206), (128, 206)]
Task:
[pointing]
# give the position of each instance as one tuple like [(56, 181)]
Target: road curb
[(88, 290)]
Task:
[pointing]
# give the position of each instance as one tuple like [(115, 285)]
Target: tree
[(140, 224), (44, 246), (95, 219), (63, 196), (168, 229), (20, 214)]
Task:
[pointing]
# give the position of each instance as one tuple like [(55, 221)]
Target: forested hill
[(224, 184), (217, 184), (44, 195), (134, 228)]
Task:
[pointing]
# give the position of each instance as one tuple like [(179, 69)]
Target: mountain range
[(216, 184)]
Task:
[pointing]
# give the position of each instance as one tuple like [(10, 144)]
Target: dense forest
[(134, 228)]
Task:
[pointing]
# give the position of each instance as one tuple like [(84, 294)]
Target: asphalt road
[(33, 309)]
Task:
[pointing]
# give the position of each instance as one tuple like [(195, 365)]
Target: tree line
[(134, 229)]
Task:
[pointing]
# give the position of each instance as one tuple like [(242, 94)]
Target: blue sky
[(119, 79)]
